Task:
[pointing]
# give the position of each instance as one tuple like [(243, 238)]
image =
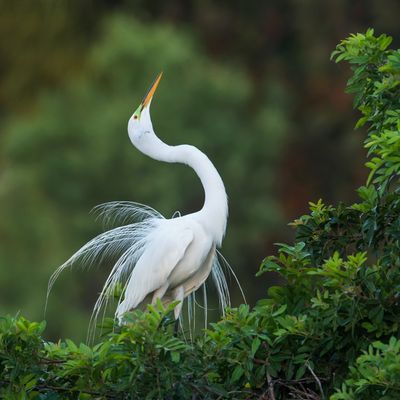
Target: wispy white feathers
[(124, 212), (220, 284), (123, 246), (223, 264)]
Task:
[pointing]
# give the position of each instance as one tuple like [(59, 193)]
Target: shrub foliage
[(332, 331)]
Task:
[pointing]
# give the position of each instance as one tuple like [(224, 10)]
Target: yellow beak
[(152, 90)]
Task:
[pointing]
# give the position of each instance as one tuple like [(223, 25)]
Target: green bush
[(332, 331), (376, 374)]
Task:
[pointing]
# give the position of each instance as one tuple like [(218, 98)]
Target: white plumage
[(156, 257)]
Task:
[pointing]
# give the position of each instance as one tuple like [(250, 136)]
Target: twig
[(270, 387), (50, 361), (317, 380), (303, 394)]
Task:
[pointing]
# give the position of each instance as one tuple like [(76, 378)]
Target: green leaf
[(237, 373), (255, 345), (280, 310), (300, 372), (175, 356)]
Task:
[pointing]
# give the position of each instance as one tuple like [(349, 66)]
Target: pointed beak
[(147, 99)]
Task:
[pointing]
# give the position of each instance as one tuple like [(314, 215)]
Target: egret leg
[(178, 295), (121, 309), (159, 293)]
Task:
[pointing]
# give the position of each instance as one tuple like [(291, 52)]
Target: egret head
[(139, 125)]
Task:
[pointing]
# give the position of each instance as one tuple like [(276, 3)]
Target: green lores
[(330, 332), (138, 112)]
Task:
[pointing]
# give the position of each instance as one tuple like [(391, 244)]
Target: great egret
[(159, 258)]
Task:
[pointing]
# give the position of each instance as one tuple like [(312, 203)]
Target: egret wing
[(163, 251)]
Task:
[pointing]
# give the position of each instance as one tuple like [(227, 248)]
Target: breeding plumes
[(159, 258)]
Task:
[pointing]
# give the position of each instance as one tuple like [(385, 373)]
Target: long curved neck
[(215, 209)]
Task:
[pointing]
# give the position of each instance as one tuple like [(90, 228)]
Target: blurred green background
[(248, 82)]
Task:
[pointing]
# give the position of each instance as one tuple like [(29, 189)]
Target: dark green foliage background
[(331, 331), (250, 83), (72, 152)]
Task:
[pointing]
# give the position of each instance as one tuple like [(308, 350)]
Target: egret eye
[(135, 117)]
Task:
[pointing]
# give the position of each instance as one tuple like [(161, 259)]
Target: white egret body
[(161, 258)]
